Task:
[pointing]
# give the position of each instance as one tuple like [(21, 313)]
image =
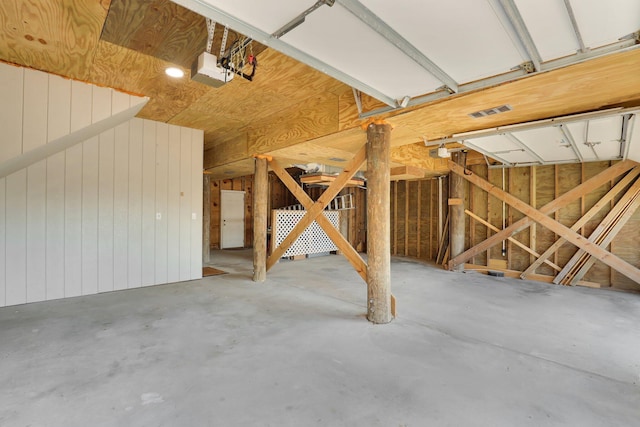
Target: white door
[(231, 219)]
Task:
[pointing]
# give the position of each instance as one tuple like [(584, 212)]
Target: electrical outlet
[(158, 215), (193, 215)]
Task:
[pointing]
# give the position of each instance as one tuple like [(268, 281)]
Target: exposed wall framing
[(536, 186), (414, 217)]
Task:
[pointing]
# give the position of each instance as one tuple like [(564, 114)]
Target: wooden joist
[(551, 207), (541, 217), (406, 173), (326, 179)]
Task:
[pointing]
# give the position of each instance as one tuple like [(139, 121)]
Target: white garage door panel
[(335, 36), (550, 27), (452, 39)]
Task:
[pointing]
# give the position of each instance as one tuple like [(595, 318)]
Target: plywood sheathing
[(53, 36)]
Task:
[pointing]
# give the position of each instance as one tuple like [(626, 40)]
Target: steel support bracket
[(446, 88), (527, 67)]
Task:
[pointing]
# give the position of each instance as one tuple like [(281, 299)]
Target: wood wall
[(414, 219)]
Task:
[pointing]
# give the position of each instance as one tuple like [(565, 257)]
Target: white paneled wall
[(43, 114), (119, 210)]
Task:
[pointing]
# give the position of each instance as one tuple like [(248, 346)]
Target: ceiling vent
[(491, 111)]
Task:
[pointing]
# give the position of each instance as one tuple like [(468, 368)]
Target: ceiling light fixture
[(174, 72)]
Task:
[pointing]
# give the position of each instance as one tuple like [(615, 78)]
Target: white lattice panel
[(312, 241)]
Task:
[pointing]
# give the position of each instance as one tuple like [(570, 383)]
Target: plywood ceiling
[(290, 109)]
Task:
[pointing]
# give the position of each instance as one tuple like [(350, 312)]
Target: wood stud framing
[(548, 209), (540, 216)]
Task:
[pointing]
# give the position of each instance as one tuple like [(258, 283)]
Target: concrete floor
[(466, 350)]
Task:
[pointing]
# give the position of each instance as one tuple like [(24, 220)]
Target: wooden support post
[(533, 233), (406, 218), (395, 217), (542, 218), (418, 219), (472, 224), (260, 212), (206, 218), (556, 194), (378, 219), (431, 216), (456, 211)]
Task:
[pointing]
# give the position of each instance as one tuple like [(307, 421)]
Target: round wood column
[(456, 210), (260, 203), (378, 223)]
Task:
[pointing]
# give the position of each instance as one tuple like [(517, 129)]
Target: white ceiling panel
[(608, 150), (604, 134), (549, 143), (494, 144), (605, 21), (633, 138), (545, 142), (577, 130), (519, 156), (463, 37), (604, 130), (335, 36), (550, 27), (265, 15)]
